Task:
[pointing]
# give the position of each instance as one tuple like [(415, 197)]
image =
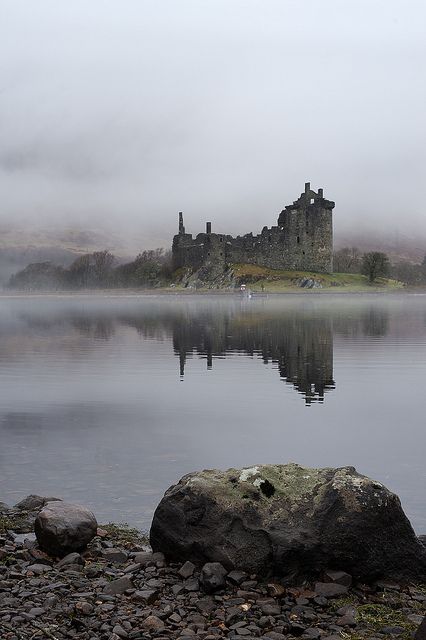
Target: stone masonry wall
[(302, 240)]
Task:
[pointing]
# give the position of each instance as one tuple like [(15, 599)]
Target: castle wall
[(302, 240)]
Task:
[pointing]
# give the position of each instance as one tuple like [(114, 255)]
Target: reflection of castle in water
[(298, 340), (300, 346)]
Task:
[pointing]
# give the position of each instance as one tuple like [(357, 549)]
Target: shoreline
[(117, 589), (234, 293)]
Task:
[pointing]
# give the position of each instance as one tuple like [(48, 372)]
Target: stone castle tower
[(301, 241)]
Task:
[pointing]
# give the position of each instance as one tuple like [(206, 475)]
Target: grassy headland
[(258, 278)]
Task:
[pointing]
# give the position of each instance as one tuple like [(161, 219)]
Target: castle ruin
[(301, 241)]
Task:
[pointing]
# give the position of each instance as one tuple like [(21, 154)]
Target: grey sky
[(129, 111)]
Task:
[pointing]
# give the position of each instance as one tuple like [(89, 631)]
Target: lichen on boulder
[(288, 520)]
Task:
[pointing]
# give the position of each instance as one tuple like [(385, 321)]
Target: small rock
[(392, 630), (296, 629), (213, 577), (271, 609), (205, 605), (116, 556), (338, 577), (192, 584), (119, 631), (84, 607), (34, 502), (347, 620), (312, 633), (149, 596), (38, 569), (132, 568), (274, 635), (330, 589), (187, 569), (177, 589), (388, 585), (175, 617), (236, 577), (153, 623), (421, 631), (118, 586), (71, 558), (143, 557)]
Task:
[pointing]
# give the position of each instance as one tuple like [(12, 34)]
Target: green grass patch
[(5, 524), (276, 280), (17, 522), (124, 536), (377, 616), (344, 601)]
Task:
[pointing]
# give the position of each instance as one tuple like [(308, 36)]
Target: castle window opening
[(221, 239), (269, 238), (312, 201), (298, 239)]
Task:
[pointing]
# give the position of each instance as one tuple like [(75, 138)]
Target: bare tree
[(347, 260), (375, 265), (92, 270)]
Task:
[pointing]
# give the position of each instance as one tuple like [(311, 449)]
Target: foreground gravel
[(117, 590)]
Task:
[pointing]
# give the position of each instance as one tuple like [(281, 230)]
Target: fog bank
[(117, 115)]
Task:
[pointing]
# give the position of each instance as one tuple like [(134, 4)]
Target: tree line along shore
[(353, 271)]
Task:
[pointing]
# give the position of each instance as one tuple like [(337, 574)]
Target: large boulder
[(62, 528), (290, 521)]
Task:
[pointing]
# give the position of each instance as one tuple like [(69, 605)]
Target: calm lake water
[(107, 401)]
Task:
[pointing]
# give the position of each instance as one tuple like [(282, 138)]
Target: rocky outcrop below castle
[(208, 277), (76, 580)]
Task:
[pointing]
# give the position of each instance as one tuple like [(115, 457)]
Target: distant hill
[(20, 246), (398, 246)]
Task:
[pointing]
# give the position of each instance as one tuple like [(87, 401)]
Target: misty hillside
[(20, 246), (398, 246)]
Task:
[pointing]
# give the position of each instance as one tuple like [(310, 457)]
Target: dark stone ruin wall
[(207, 249), (302, 240)]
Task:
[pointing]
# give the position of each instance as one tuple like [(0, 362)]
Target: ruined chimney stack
[(181, 227)]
